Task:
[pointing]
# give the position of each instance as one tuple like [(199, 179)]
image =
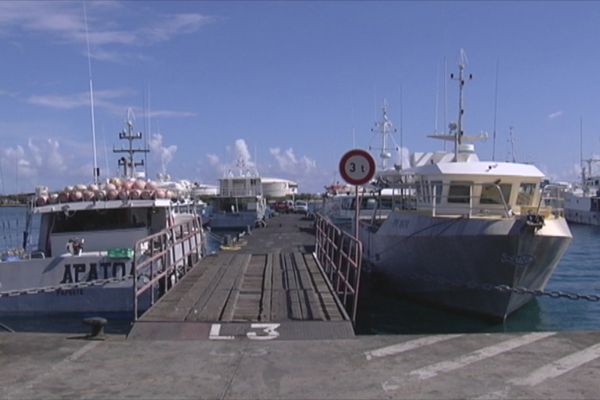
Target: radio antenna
[(96, 171), (495, 111)]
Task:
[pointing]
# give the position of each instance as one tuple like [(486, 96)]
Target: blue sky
[(289, 86)]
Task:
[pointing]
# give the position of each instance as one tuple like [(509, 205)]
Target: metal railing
[(161, 259), (339, 255)]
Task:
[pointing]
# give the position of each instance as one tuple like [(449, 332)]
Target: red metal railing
[(339, 255), (161, 259)]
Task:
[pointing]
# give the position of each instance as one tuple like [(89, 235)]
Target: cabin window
[(459, 192), (386, 203), (419, 190), (370, 204), (436, 187), (491, 195), (97, 220), (526, 194)]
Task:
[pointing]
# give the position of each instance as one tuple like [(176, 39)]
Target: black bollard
[(97, 326)]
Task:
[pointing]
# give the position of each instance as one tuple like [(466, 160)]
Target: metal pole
[(356, 212)]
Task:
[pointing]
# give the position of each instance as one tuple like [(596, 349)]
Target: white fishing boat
[(464, 233), (375, 202), (240, 203), (582, 201), (83, 259)]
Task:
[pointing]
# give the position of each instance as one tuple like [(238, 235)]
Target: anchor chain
[(554, 294), (64, 286)]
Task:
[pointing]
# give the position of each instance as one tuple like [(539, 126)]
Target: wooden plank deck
[(273, 280)]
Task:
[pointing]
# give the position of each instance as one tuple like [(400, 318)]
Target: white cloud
[(77, 100), (242, 155), (213, 159), (8, 93), (103, 99), (555, 114), (170, 114), (164, 154), (41, 161), (288, 162), (174, 25), (64, 22)]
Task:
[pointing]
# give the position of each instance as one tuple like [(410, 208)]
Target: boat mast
[(461, 110), (511, 140), (128, 134), (96, 172), (384, 128), (581, 153)]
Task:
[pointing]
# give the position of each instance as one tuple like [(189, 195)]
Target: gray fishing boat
[(469, 235), (90, 238)]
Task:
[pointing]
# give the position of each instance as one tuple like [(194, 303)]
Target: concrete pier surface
[(260, 323), (543, 365)]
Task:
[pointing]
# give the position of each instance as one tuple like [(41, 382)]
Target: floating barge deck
[(267, 286)]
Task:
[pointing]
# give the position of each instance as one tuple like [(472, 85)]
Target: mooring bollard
[(97, 326)]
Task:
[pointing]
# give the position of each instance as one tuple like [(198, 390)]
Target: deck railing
[(161, 259), (339, 255)]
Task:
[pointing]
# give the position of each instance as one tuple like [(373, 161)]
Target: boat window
[(386, 203), (459, 192), (491, 195), (436, 187), (526, 193), (98, 220), (348, 203), (370, 204)]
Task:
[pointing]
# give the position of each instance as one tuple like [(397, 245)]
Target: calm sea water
[(384, 313)]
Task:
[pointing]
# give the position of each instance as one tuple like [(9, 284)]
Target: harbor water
[(381, 312)]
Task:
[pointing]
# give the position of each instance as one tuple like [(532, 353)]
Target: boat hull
[(235, 221), (581, 209), (455, 262), (43, 284)]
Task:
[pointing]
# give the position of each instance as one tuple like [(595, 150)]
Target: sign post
[(357, 167)]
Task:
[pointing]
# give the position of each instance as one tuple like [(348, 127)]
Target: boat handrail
[(161, 259), (339, 255)]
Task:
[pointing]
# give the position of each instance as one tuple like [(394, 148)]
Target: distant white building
[(275, 187), (201, 189)]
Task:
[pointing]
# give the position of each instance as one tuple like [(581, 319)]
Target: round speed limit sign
[(357, 167)]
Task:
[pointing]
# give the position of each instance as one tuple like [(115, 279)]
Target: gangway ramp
[(271, 287)]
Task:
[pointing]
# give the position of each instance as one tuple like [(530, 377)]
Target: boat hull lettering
[(81, 272)]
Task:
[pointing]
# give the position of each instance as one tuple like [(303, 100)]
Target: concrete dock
[(259, 322), (475, 366)]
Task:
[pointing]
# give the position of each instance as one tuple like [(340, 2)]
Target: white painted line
[(408, 345), (446, 366), (82, 351), (215, 333), (559, 367)]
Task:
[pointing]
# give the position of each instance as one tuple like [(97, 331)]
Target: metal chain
[(65, 286), (554, 294)]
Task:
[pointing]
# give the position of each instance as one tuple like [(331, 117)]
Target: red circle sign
[(357, 167)]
